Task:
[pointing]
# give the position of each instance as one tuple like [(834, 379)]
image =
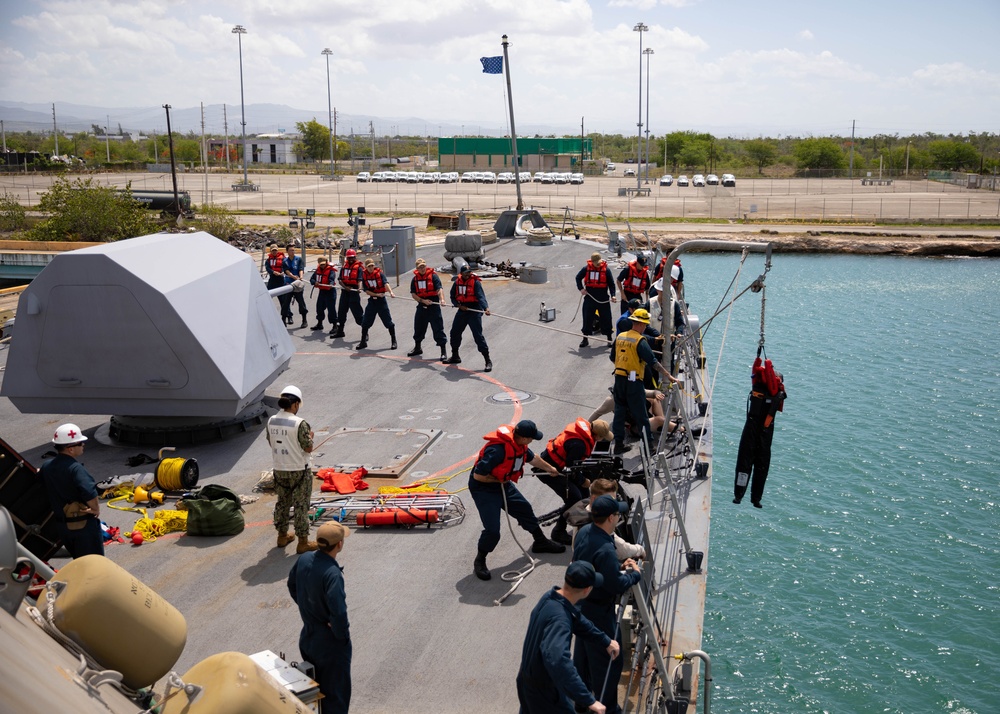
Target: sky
[(739, 68)]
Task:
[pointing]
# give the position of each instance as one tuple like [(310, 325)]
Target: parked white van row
[(468, 177)]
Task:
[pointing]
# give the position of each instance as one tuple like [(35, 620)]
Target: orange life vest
[(637, 280), (580, 429), (465, 289), (325, 277), (275, 263), (350, 274), (512, 466), (423, 284), (596, 276), (374, 282)]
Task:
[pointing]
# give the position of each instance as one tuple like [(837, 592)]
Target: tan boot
[(284, 539), (305, 545)]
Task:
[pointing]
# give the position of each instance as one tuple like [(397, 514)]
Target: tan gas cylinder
[(118, 620), (234, 684)]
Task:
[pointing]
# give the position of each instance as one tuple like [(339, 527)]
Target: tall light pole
[(640, 28), (648, 51), (329, 105), (239, 31)]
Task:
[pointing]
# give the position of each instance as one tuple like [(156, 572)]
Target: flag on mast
[(492, 65)]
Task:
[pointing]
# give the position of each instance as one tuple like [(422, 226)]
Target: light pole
[(107, 139), (648, 51), (907, 159), (329, 106), (239, 31), (640, 28)]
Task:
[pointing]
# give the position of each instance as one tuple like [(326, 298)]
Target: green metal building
[(473, 153)]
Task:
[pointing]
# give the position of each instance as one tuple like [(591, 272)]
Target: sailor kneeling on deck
[(492, 485), (548, 682)]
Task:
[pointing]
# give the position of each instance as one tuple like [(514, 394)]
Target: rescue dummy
[(766, 399)]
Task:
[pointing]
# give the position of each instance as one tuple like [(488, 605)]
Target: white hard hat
[(675, 272), (292, 391), (68, 434)]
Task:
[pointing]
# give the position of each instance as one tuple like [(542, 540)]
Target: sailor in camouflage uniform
[(291, 440)]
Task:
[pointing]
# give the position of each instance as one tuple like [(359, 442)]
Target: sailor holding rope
[(492, 485)]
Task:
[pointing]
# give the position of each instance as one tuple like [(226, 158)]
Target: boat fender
[(97, 592), (232, 683)]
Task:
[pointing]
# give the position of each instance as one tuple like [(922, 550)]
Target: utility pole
[(107, 139), (55, 131), (173, 166), (581, 144), (225, 130), (329, 105), (4, 132), (907, 158), (371, 130), (204, 154), (851, 174), (333, 158)]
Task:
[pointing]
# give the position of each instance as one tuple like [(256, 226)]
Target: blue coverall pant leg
[(88, 540), (474, 320), (603, 310), (326, 305), (332, 659), (541, 700), (569, 491), (592, 660), (630, 404), (429, 315), (379, 307), (489, 502), (349, 301)]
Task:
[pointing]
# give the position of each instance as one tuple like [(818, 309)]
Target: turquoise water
[(870, 581)]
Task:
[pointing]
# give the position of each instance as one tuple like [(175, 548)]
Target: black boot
[(305, 322), (416, 351), (333, 329), (544, 545), (364, 340), (392, 336), (318, 325), (489, 363), (559, 534), (444, 353), (584, 342), (479, 567), (337, 331), (619, 447), (454, 359)]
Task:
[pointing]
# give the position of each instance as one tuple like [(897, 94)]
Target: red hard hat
[(351, 253)]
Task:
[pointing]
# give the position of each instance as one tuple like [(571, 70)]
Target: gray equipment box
[(399, 248)]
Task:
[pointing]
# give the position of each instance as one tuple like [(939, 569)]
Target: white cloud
[(805, 35), (954, 74)]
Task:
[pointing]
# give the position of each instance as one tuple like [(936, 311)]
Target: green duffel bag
[(214, 511)]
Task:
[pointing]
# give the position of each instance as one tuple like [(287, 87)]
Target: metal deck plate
[(386, 453)]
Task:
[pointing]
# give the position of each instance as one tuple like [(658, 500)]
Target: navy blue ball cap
[(527, 428), (581, 574), (604, 506)]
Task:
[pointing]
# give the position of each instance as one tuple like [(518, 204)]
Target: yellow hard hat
[(640, 315)]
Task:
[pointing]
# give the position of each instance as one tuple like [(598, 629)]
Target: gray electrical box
[(399, 248)]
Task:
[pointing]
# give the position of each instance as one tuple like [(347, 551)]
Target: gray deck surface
[(427, 635)]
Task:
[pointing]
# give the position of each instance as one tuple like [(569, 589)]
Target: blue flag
[(492, 65)]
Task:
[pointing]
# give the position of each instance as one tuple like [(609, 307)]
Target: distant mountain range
[(261, 119)]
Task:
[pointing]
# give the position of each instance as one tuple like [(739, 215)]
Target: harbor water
[(870, 580)]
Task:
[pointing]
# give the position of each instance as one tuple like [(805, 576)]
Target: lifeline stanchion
[(514, 576)]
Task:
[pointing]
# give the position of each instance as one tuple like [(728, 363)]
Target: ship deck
[(427, 633)]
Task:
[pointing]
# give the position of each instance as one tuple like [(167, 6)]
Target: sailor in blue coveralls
[(316, 584), (468, 296), (492, 486), (72, 494), (595, 544), (548, 681)]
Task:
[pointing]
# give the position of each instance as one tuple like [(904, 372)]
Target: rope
[(514, 576), (162, 522)]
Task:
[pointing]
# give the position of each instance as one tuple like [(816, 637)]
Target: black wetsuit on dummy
[(767, 398)]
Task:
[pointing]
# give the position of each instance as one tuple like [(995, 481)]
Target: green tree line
[(674, 152)]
